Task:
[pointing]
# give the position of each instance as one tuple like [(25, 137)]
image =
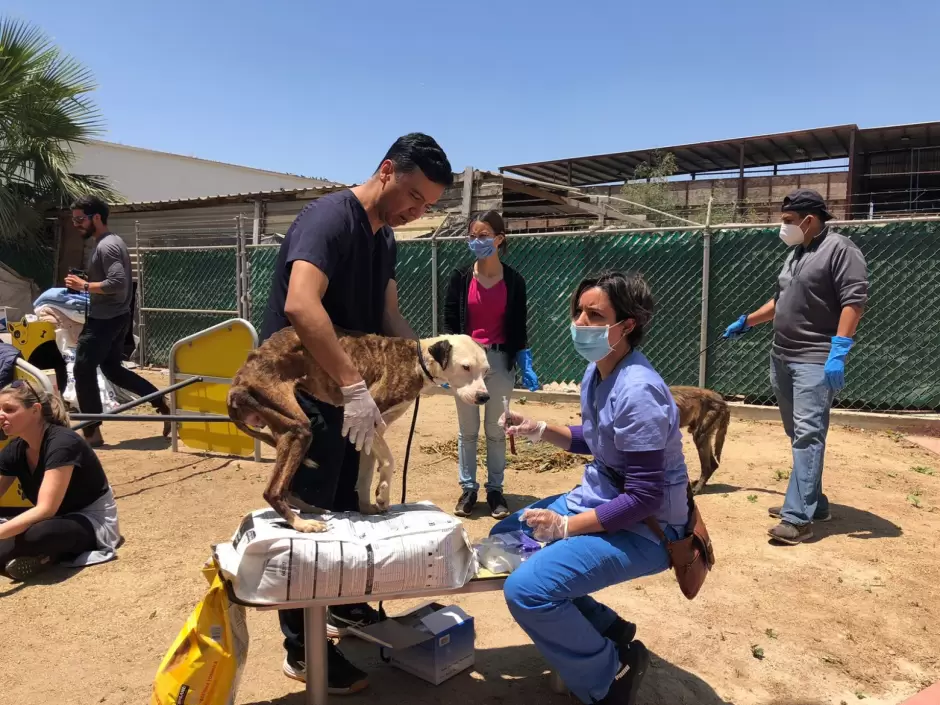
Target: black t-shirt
[(60, 448), (334, 234)]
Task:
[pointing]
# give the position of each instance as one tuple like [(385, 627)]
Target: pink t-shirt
[(486, 311)]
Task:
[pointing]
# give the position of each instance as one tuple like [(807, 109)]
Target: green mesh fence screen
[(894, 366), (194, 280)]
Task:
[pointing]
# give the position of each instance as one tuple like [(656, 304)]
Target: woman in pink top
[(487, 301)]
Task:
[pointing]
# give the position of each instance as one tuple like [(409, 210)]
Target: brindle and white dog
[(395, 370)]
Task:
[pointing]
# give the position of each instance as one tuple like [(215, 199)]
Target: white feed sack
[(414, 547)]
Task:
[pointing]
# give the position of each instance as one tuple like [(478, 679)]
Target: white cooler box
[(413, 547)]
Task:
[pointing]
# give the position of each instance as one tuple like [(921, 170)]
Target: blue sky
[(322, 88)]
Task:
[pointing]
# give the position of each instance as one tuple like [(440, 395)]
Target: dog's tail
[(723, 420)]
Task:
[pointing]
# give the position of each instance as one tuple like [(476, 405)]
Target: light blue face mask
[(482, 247), (590, 342)]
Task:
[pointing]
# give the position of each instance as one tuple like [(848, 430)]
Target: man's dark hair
[(419, 151), (495, 221), (629, 294), (91, 206)]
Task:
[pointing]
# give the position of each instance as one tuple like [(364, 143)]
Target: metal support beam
[(581, 206), (741, 187), (850, 179), (137, 402), (256, 224), (177, 418)]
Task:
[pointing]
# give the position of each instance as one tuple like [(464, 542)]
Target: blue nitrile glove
[(835, 365), (524, 362), (738, 328)]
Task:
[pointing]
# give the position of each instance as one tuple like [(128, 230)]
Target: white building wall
[(145, 175)]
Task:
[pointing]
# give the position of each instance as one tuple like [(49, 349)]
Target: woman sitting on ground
[(596, 533), (74, 518)]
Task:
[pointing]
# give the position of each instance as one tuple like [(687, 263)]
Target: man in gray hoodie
[(820, 295), (101, 342)]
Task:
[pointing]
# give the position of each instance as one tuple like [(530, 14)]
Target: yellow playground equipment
[(214, 354)]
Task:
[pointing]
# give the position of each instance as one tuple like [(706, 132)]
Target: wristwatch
[(85, 287)]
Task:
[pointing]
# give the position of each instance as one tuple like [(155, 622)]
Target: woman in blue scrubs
[(596, 533)]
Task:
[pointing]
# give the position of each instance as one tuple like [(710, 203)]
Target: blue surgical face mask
[(591, 342), (482, 247)]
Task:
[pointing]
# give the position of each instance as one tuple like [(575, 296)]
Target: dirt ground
[(851, 615)]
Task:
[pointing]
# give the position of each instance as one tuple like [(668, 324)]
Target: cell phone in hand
[(81, 273)]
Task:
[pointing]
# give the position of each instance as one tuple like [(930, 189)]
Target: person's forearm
[(315, 330), (763, 314), (395, 325), (584, 523), (96, 288), (559, 436), (848, 321), (20, 523)]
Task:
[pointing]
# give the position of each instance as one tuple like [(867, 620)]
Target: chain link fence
[(186, 287), (895, 365)]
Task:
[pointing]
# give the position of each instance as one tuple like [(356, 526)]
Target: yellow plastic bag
[(205, 662)]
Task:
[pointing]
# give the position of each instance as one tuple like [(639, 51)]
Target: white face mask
[(791, 234)]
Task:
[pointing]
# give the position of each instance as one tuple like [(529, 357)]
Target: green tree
[(44, 111)]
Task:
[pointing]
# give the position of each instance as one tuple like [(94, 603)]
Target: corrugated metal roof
[(274, 194)]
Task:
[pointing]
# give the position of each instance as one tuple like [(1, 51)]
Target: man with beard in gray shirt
[(101, 342), (820, 295)]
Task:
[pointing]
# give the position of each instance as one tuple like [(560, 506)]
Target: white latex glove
[(518, 425), (361, 416), (546, 525)]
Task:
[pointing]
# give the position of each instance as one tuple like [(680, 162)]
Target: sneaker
[(466, 503), (634, 663), (620, 632), (341, 617), (164, 410), (498, 507), (342, 677), (785, 532), (25, 567), (824, 515), (94, 438)]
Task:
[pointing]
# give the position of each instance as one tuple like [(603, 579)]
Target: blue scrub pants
[(549, 596)]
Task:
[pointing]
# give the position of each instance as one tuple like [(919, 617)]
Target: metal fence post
[(706, 272), (239, 267), (141, 323), (434, 283)]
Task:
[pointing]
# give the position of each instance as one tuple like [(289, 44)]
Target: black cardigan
[(514, 325)]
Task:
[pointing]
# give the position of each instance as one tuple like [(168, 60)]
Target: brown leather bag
[(692, 557)]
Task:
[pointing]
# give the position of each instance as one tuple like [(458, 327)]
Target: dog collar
[(424, 367)]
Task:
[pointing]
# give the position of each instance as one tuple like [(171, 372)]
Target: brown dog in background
[(395, 370), (706, 414)]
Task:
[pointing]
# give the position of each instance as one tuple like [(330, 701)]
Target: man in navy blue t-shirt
[(336, 267)]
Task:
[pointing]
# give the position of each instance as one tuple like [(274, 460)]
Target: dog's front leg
[(386, 471), (364, 484)]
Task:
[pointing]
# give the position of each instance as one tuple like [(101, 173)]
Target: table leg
[(315, 645)]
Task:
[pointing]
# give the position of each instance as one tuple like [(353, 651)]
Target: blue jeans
[(549, 596), (499, 383), (804, 399)]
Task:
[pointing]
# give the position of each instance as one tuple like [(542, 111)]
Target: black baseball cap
[(805, 200)]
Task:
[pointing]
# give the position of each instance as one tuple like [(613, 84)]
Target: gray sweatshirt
[(111, 265), (816, 283)]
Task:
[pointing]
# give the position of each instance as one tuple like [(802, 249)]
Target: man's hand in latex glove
[(546, 525), (517, 425), (835, 365), (361, 416)]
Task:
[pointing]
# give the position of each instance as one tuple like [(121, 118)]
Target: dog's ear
[(441, 351)]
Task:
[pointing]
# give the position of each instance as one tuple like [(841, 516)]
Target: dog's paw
[(382, 499), (309, 526), (367, 508)]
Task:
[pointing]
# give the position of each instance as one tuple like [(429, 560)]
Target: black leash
[(411, 435)]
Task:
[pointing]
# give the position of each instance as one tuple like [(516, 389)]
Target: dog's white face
[(460, 362)]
